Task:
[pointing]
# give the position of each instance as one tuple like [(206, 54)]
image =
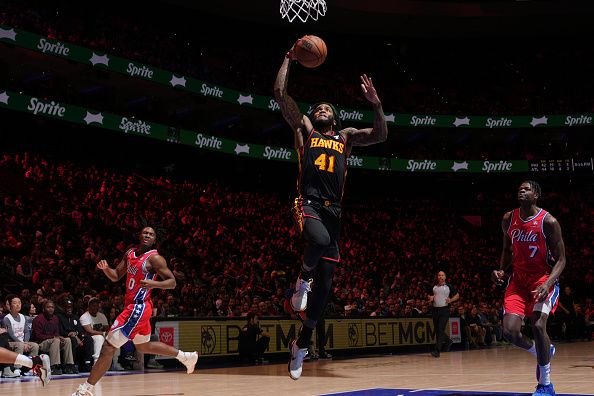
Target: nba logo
[(455, 328), (166, 335)]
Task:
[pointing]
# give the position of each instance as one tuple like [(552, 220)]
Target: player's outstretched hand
[(497, 277), (102, 265), (369, 90)]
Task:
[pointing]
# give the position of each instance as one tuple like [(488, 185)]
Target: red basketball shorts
[(519, 299), (134, 323)]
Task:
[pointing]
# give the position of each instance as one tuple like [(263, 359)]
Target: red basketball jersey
[(136, 269), (531, 254)]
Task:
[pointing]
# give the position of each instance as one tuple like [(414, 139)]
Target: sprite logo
[(139, 126), (501, 166), (426, 120), (498, 123), (52, 108), (56, 48), (211, 91), (425, 165), (143, 71), (581, 120), (350, 116), (211, 142), (277, 153)]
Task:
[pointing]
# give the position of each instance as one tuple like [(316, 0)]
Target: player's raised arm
[(159, 265), (113, 274), (298, 122), (379, 132)]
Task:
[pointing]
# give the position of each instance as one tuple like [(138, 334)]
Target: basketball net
[(302, 9)]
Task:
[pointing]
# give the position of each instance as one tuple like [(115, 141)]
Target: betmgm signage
[(221, 337)]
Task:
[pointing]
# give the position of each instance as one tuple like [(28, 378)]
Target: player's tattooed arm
[(158, 264), (289, 108), (379, 132)]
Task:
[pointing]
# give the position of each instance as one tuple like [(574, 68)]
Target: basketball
[(310, 51)]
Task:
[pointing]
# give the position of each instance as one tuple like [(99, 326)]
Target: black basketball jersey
[(322, 167)]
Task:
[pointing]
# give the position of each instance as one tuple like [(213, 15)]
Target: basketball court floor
[(502, 371)]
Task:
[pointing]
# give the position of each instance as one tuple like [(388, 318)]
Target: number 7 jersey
[(530, 251), (136, 271), (322, 166)]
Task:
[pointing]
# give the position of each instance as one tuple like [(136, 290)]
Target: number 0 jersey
[(322, 167), (530, 252), (136, 270)]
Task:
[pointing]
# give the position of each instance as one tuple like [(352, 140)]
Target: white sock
[(532, 349), (24, 361), (545, 374)]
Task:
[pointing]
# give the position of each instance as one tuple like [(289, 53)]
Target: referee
[(443, 295)]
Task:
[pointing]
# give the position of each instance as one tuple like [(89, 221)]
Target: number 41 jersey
[(322, 167), (136, 270), (530, 251)]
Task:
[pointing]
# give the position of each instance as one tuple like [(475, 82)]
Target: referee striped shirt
[(440, 294)]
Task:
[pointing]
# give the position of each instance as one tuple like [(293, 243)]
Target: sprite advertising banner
[(130, 68), (133, 126)]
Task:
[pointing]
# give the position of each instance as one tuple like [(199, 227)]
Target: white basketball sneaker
[(84, 390), (296, 362), (42, 368), (299, 297), (189, 360)]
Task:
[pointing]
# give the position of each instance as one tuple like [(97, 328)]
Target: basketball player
[(323, 148), (40, 365), (142, 265), (532, 242)]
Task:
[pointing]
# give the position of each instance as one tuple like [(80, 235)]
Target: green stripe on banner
[(140, 70), (133, 126)]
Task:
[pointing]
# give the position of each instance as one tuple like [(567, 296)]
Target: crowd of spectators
[(232, 255)]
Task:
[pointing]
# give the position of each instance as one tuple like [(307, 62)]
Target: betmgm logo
[(353, 333), (208, 340)]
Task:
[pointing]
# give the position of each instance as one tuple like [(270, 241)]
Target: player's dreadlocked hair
[(535, 187), (160, 232)]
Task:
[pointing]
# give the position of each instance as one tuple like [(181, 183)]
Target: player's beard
[(324, 123)]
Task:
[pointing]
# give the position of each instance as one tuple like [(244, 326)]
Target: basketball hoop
[(302, 9)]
